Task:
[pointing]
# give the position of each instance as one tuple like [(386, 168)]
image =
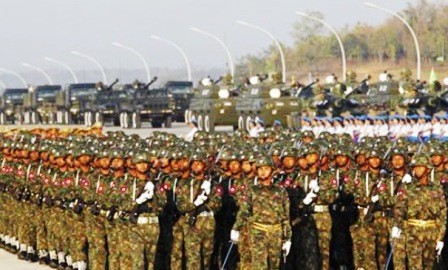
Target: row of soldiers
[(285, 200)]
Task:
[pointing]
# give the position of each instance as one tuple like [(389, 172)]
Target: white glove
[(143, 198), (395, 232), (407, 179), (314, 185), (200, 200), (149, 186), (309, 198), (375, 198), (234, 236), (286, 247), (207, 187), (439, 248)]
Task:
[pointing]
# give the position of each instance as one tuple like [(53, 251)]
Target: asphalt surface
[(10, 261)]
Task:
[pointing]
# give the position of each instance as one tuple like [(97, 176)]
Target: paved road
[(10, 262)]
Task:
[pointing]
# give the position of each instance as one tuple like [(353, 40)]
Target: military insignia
[(46, 181), (400, 192), (287, 182), (101, 189), (444, 180), (219, 191), (85, 182), (357, 182), (382, 187), (112, 184), (334, 182), (20, 173), (123, 189), (67, 182), (232, 190), (346, 179), (31, 176)]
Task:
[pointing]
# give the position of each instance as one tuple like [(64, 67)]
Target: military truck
[(182, 92), (106, 105), (40, 104), (213, 104), (74, 103), (11, 105), (269, 101), (155, 105)]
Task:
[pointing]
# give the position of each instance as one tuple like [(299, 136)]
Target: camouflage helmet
[(289, 152), (140, 156), (264, 161), (198, 155), (421, 159), (116, 153)]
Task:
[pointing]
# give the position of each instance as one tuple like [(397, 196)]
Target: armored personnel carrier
[(74, 103), (269, 100), (11, 105), (213, 104)]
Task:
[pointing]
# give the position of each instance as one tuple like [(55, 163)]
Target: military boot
[(61, 261), (53, 259), (8, 243), (31, 255), (44, 257), (69, 261), (22, 252)]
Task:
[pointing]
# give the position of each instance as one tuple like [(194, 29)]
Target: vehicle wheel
[(248, 120), (19, 118), (67, 117), (26, 117), (207, 123), (51, 118), (98, 118), (86, 119), (124, 120), (187, 115), (156, 123), (200, 123), (120, 116), (168, 122), (240, 122), (34, 117), (136, 120), (2, 118)]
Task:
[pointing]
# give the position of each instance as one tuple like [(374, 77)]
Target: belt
[(267, 227), (147, 220), (421, 223), (321, 208), (206, 214)]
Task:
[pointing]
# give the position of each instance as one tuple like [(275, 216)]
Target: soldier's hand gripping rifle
[(202, 207), (374, 206)]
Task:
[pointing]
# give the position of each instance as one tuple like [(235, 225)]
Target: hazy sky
[(32, 29)]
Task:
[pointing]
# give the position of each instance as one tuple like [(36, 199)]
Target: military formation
[(284, 200)]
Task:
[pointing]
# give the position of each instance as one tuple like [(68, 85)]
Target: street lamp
[(341, 45), (414, 36), (50, 81), (282, 56), (63, 65), (15, 74), (93, 61), (229, 56), (139, 55), (181, 52)]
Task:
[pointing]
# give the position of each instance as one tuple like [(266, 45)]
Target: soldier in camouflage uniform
[(420, 211), (266, 209)]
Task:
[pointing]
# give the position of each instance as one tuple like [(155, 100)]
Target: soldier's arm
[(286, 219), (441, 218), (400, 207), (245, 207)]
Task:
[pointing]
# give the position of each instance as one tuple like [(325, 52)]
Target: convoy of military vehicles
[(220, 102)]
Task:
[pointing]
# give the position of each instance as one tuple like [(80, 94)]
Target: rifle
[(113, 210), (373, 206), (199, 209)]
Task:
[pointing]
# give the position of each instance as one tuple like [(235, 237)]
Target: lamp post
[(179, 49), (139, 55), (341, 45), (93, 61), (50, 81), (269, 34), (63, 65), (414, 36), (229, 56), (16, 75)]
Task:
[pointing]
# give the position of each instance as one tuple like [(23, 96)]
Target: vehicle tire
[(168, 122), (51, 118), (86, 119), (156, 123), (207, 126), (2, 118), (248, 120), (200, 123), (241, 122), (120, 116), (136, 120), (124, 120), (187, 115), (19, 119), (34, 118), (98, 118), (66, 117), (26, 117)]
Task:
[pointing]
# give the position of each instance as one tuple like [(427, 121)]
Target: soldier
[(266, 208), (420, 211)]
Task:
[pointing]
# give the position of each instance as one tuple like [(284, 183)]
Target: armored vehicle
[(75, 101), (11, 105), (40, 104), (182, 92), (269, 101), (213, 104), (106, 105), (155, 105)]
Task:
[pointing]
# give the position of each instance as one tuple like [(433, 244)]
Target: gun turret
[(112, 85), (150, 83), (218, 80)]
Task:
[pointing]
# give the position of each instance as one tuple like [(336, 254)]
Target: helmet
[(264, 161)]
